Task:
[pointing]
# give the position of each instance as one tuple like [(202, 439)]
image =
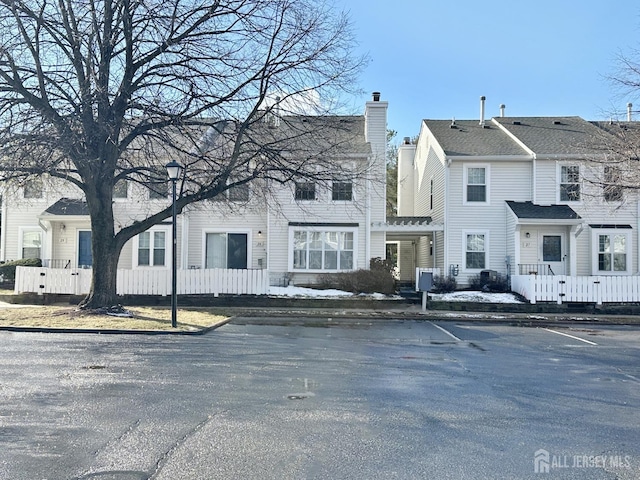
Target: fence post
[(561, 288)]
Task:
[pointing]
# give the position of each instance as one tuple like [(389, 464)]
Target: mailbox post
[(425, 283)]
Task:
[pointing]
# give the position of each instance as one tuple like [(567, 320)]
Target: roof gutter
[(489, 158)]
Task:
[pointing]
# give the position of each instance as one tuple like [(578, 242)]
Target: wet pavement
[(392, 399)]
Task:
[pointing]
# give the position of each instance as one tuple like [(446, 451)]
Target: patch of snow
[(473, 296), (292, 291), (460, 296)]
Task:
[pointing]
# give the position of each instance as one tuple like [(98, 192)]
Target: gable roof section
[(469, 138), (67, 207), (531, 211), (339, 135), (570, 136)]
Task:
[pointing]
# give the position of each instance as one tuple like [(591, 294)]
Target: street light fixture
[(174, 169)]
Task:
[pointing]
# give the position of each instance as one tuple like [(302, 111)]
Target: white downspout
[(367, 226), (534, 180), (184, 240), (445, 232), (268, 236), (3, 227)]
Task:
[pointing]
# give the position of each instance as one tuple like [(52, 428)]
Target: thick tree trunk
[(103, 283), (105, 249)]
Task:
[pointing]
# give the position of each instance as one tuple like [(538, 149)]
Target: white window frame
[(316, 191), (610, 174), (559, 168), (168, 250), (353, 191), (126, 197), (487, 183), (486, 250), (22, 231), (248, 233), (37, 187), (595, 250), (314, 229)]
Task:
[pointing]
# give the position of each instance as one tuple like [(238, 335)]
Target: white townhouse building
[(518, 196), (298, 231)]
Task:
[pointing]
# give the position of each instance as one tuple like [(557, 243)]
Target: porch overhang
[(406, 228), (66, 209), (528, 213)]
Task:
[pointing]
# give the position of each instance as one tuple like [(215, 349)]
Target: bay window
[(323, 249)]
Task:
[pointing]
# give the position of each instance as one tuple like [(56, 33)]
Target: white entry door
[(553, 252)]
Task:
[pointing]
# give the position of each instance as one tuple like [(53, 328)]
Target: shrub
[(496, 284), (444, 284), (378, 279), (8, 269)]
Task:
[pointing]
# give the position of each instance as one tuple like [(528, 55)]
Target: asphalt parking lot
[(386, 399)]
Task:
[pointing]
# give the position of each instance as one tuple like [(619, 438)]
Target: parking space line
[(571, 336), (446, 331)]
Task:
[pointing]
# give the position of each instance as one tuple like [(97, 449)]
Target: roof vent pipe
[(629, 105), (502, 107), (376, 96), (482, 99)]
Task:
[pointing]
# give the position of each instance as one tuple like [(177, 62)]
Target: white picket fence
[(214, 281), (587, 289)]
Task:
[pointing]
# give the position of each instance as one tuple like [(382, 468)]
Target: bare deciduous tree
[(99, 91)]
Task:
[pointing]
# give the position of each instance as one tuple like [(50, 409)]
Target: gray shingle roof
[(68, 206), (554, 135), (299, 134), (542, 212), (467, 137)]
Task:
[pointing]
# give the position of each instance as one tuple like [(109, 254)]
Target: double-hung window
[(151, 249), (342, 191), (475, 251), (612, 251), (120, 190), (476, 184), (33, 188), (31, 243), (305, 191), (612, 191), (323, 250), (569, 183)]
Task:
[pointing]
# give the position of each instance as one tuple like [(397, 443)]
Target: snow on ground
[(464, 296), (460, 296)]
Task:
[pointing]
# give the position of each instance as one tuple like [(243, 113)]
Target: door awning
[(66, 207), (530, 213)]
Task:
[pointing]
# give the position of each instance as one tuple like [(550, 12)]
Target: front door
[(85, 258), (553, 253)]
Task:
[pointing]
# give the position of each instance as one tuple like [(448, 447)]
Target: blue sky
[(435, 58)]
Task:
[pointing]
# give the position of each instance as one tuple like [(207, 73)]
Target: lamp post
[(173, 170)]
